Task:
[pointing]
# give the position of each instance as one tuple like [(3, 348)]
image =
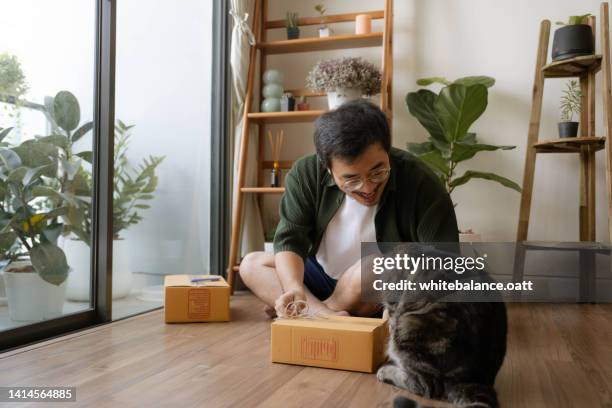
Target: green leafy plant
[(571, 101), (575, 20), (45, 189), (12, 80), (291, 19), (447, 116), (133, 187), (29, 227), (320, 8)]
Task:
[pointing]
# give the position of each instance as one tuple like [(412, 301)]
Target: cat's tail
[(461, 396)]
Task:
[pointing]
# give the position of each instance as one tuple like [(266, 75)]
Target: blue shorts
[(316, 280)]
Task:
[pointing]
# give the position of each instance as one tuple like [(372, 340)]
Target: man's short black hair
[(346, 132)]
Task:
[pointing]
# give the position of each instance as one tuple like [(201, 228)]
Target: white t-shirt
[(340, 248)]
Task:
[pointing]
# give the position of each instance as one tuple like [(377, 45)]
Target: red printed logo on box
[(198, 303), (318, 348)]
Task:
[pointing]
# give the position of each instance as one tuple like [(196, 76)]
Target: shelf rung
[(333, 18), (572, 67), (334, 42), (263, 190), (285, 117), (305, 92), (569, 144)]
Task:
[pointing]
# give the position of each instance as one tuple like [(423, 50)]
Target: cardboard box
[(186, 301), (346, 343)]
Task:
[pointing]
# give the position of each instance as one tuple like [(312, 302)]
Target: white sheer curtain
[(252, 234)]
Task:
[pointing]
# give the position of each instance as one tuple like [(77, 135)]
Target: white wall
[(455, 38)]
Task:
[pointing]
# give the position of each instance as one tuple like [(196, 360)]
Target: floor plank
[(558, 356)]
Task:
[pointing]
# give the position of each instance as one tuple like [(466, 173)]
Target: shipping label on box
[(341, 342), (204, 300)]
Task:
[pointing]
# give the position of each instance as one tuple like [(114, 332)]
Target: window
[(142, 77)]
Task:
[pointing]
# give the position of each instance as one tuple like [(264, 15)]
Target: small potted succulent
[(570, 105), (573, 38), (344, 79), (324, 28), (293, 31)]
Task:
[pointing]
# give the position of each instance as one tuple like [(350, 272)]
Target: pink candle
[(363, 24)]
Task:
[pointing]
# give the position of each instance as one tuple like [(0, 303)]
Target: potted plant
[(293, 31), (570, 105), (573, 38), (303, 104), (344, 79), (447, 116), (13, 85), (133, 188), (323, 29), (35, 278)]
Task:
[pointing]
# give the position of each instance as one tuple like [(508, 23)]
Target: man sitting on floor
[(357, 188)]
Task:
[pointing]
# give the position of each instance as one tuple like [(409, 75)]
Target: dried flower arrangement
[(343, 73)]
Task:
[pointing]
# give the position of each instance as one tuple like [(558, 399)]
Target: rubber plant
[(448, 116), (28, 226)]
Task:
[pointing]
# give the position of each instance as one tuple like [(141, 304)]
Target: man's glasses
[(375, 177)]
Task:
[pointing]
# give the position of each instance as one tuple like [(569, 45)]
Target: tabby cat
[(449, 351)]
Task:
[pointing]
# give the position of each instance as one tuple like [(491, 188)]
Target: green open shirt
[(414, 206)]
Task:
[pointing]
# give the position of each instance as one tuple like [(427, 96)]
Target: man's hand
[(296, 298)]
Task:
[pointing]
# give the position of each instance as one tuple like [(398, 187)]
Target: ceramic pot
[(341, 96), (30, 298)]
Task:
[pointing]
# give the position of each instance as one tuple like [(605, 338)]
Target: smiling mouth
[(368, 197)]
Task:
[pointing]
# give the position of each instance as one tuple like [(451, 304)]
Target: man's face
[(369, 172)]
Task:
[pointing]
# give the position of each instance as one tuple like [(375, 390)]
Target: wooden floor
[(558, 356)]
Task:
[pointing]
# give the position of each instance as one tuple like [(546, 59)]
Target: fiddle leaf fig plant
[(448, 116)]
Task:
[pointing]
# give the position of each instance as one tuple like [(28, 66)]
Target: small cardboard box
[(342, 342), (186, 301)]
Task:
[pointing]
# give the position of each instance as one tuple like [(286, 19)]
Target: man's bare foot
[(322, 309), (269, 310)]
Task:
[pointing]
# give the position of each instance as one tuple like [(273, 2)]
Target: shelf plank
[(305, 92), (572, 67), (332, 18), (567, 246), (570, 144), (285, 117), (263, 190), (322, 43)]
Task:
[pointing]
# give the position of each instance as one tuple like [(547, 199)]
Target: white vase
[(324, 32), (341, 96), (30, 298), (78, 255)]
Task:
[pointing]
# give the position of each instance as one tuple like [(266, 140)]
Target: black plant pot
[(568, 129), (572, 41), (293, 33)]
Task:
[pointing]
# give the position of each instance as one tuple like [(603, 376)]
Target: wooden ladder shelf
[(585, 145), (252, 117)]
